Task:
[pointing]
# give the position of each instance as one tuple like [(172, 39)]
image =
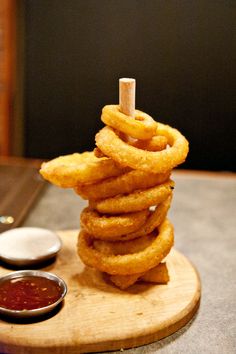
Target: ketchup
[(28, 293)]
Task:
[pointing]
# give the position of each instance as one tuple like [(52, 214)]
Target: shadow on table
[(44, 264), (30, 320)]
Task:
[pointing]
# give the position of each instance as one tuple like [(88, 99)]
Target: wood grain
[(98, 317), (7, 71), (127, 96)]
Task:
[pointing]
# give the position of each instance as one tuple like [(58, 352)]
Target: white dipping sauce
[(28, 244)]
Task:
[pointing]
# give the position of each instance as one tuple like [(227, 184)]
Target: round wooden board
[(97, 317)]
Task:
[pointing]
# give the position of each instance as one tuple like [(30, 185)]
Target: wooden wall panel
[(7, 72)]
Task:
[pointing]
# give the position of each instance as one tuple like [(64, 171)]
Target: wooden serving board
[(96, 316)]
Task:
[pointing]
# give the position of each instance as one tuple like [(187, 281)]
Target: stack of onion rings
[(126, 179)]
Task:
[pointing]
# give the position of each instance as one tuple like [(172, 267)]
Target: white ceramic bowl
[(25, 246)]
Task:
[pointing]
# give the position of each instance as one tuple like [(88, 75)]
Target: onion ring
[(157, 143), (136, 201), (142, 126), (138, 262), (98, 153), (69, 170), (158, 274), (110, 227), (123, 184), (154, 220), (123, 247), (124, 281), (111, 145)]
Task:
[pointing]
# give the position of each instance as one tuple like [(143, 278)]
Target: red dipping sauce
[(28, 293)]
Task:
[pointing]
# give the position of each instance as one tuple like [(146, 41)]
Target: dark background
[(182, 54)]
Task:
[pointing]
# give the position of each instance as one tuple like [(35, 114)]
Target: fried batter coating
[(142, 126), (127, 264), (109, 142), (70, 170), (158, 274), (107, 227), (136, 201), (123, 184)]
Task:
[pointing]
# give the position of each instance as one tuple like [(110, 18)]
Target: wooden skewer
[(127, 96)]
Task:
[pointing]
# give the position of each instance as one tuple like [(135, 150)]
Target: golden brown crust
[(134, 263), (158, 274), (107, 227), (113, 146), (70, 170), (123, 184), (136, 201), (142, 126)]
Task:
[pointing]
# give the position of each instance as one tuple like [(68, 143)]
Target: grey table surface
[(204, 215)]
